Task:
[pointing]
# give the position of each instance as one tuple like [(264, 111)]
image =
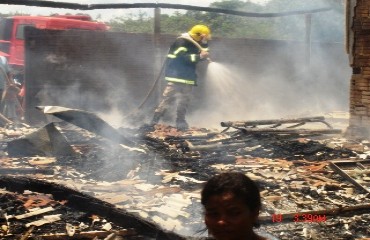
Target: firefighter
[(180, 73)]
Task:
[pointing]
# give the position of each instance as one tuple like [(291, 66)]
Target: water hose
[(153, 86), (187, 37)]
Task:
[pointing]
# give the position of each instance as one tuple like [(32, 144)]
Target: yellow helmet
[(197, 31)]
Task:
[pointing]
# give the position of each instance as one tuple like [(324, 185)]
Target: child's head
[(232, 203)]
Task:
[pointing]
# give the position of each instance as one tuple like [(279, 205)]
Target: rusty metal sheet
[(86, 120)]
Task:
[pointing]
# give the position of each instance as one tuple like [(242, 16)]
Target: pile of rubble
[(314, 183)]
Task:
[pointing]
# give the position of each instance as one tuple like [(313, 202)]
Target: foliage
[(136, 24), (325, 26), (3, 15)]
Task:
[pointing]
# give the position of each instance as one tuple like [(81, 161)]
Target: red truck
[(12, 32), (12, 42)]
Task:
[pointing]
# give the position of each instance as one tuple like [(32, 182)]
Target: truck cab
[(12, 32)]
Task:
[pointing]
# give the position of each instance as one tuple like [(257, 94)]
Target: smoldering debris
[(86, 120), (46, 141), (51, 211), (162, 183)]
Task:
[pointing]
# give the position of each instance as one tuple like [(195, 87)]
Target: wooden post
[(308, 18), (157, 25), (158, 52)]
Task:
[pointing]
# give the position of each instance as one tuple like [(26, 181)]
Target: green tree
[(326, 26), (139, 23)]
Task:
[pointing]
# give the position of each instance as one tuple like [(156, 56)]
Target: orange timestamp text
[(300, 217)]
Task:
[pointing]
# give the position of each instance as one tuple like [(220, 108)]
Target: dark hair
[(238, 184)]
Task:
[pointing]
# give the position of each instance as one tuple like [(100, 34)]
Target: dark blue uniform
[(182, 59)]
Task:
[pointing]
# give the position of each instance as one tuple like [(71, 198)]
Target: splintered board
[(355, 171)]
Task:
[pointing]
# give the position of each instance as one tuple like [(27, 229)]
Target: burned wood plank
[(26, 235), (215, 147), (275, 122), (35, 213), (204, 136), (41, 161), (45, 220), (290, 131), (89, 235), (22, 171)]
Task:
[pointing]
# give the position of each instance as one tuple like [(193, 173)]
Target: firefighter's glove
[(204, 54)]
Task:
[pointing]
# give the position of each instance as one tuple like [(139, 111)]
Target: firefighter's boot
[(182, 125)]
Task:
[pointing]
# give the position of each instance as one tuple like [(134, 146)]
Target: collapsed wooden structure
[(152, 188)]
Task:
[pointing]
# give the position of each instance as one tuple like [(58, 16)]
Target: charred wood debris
[(80, 178)]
